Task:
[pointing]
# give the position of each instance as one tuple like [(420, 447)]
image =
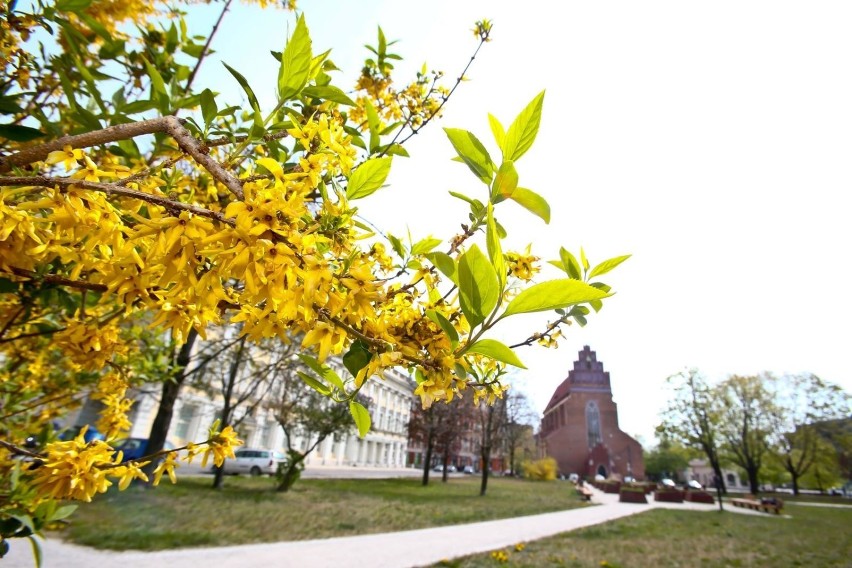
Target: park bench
[(768, 505), (585, 493)]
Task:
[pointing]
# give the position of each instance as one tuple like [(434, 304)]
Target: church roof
[(587, 375)]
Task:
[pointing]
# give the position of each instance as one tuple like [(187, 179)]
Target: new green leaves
[(368, 178), (552, 295), (295, 66), (523, 131), (361, 417), (479, 289), (472, 153)]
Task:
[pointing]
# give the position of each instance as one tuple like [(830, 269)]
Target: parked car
[(629, 479), (468, 469), (668, 483), (91, 434), (135, 448), (573, 477), (693, 484), (835, 491), (254, 461), (450, 468)]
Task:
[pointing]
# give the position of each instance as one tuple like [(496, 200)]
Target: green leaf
[(584, 260), (524, 129), (7, 286), (505, 182), (323, 371), (374, 125), (36, 550), (570, 264), (425, 245), (444, 324), (397, 246), (72, 5), (329, 93), (158, 86), (444, 263), (209, 110), (478, 286), (361, 417), (496, 350), (318, 386), (244, 84), (552, 295), (497, 130), (532, 202), (495, 250), (138, 106), (462, 196), (357, 357), (396, 150), (19, 133), (472, 153), (295, 62), (607, 265), (368, 177), (9, 104), (61, 513)]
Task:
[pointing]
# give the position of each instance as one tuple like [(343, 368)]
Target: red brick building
[(580, 425)]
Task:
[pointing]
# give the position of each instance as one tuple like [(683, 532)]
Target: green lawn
[(813, 537), (248, 510)]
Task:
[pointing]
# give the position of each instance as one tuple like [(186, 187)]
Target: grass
[(814, 536), (248, 510)]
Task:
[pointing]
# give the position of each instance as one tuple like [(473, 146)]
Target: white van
[(254, 461)]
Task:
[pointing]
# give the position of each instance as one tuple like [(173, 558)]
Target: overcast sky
[(711, 141)]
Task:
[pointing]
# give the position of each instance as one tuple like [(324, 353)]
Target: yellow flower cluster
[(78, 470), (89, 344), (522, 265), (111, 391), (500, 556)]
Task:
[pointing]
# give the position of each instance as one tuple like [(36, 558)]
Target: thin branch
[(206, 49), (170, 125), (115, 189)]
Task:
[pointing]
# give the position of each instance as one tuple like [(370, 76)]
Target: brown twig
[(115, 189), (170, 125)]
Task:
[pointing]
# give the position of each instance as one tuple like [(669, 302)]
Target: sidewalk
[(388, 550)]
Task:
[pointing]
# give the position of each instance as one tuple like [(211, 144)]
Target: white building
[(701, 471), (386, 444)]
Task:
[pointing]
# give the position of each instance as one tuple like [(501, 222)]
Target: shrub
[(540, 470)]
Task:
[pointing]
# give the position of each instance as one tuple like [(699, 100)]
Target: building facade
[(580, 425), (384, 446)]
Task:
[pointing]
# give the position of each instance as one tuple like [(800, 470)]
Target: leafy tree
[(668, 459), (304, 413), (693, 417), (114, 207), (746, 423), (802, 402)]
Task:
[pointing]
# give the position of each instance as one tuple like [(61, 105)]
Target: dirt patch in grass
[(249, 510)]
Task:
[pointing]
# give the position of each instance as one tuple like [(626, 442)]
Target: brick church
[(580, 425)]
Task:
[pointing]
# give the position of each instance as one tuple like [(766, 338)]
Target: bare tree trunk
[(219, 475), (170, 392), (427, 459), (486, 465), (290, 473), (445, 458)]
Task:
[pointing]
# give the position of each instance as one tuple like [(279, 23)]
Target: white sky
[(710, 140)]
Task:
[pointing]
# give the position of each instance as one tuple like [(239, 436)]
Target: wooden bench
[(585, 493), (767, 506)]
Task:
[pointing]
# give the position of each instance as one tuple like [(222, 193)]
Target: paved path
[(388, 550)]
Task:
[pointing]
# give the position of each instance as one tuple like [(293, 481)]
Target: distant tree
[(692, 417), (424, 426), (518, 416), (801, 403), (825, 472), (746, 422), (305, 413), (668, 459), (491, 421)]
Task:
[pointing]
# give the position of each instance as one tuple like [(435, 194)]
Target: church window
[(593, 423)]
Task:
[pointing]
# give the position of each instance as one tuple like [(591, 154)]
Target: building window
[(593, 423), (185, 415)]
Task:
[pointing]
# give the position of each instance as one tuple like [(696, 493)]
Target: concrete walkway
[(388, 550)]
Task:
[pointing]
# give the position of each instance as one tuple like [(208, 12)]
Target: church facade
[(580, 425)]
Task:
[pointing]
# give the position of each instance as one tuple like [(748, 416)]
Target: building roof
[(586, 376)]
